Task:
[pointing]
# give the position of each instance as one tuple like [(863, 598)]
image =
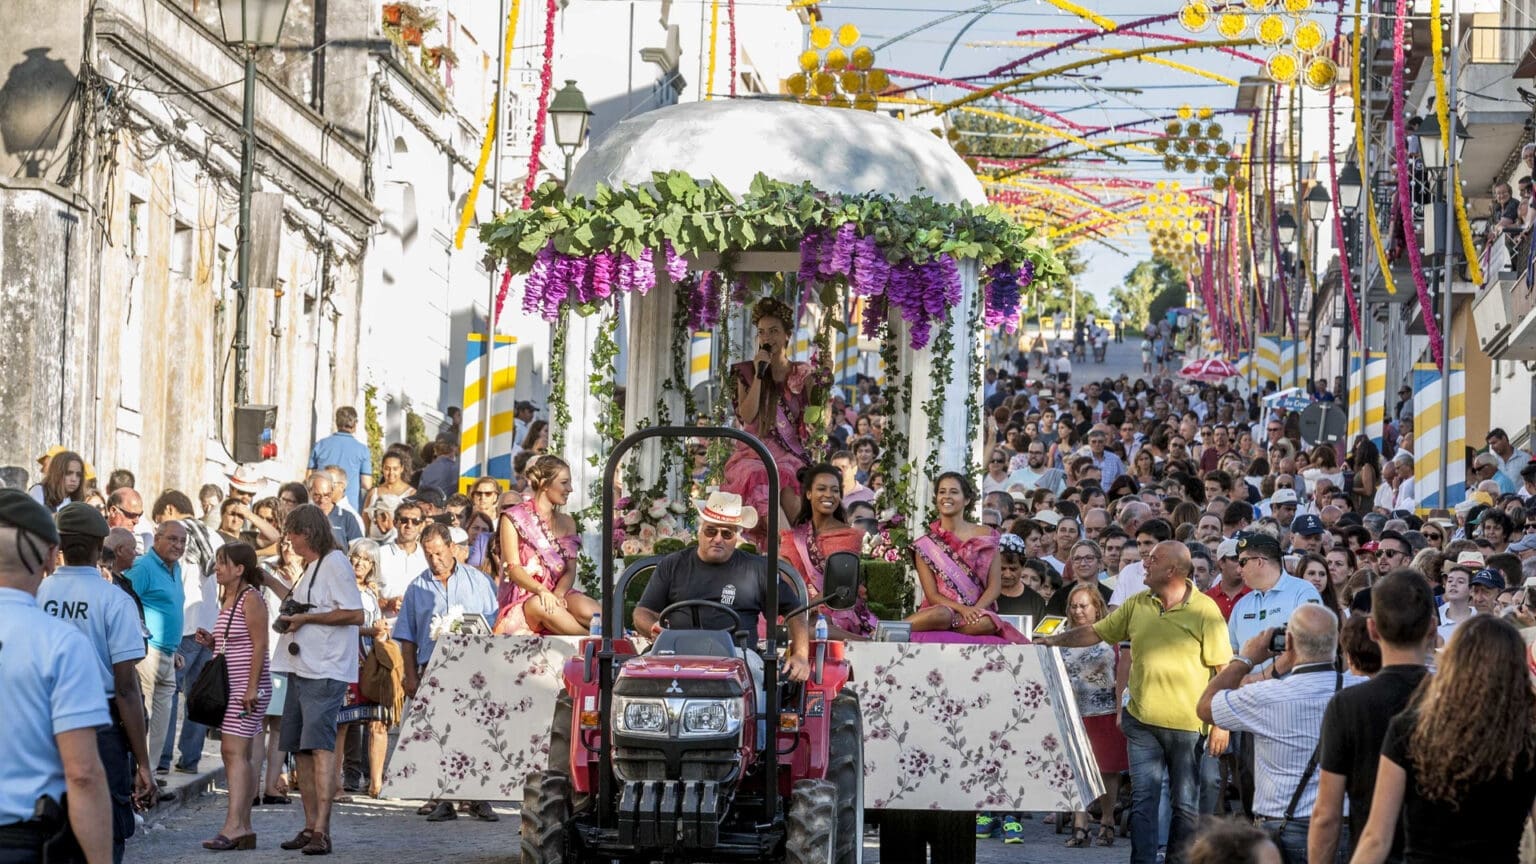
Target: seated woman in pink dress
[(539, 550), (819, 531), (772, 407), (959, 569)]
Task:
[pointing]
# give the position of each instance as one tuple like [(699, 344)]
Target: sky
[(1090, 98)]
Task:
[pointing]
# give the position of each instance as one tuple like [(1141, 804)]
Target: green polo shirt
[(1174, 650)]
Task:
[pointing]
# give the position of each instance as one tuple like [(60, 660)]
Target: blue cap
[(1306, 525)]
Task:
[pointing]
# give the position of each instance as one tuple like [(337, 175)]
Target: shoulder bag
[(208, 697)]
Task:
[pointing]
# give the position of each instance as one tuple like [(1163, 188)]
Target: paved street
[(389, 831)]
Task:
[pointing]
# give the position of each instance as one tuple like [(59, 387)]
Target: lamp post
[(248, 25), (1285, 226), (569, 116), (1317, 201)]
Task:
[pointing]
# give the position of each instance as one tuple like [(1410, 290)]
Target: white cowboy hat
[(725, 508), (247, 478)]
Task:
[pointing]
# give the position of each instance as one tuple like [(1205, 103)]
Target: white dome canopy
[(847, 151)]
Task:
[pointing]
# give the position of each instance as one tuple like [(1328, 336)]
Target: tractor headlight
[(711, 717), (641, 716)]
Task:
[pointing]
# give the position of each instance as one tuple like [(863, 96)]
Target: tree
[(1148, 290)]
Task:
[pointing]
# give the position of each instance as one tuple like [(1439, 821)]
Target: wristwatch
[(1238, 658)]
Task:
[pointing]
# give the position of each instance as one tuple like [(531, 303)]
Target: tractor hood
[(683, 677)]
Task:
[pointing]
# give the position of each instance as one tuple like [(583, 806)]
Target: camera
[(1277, 640), (290, 608)]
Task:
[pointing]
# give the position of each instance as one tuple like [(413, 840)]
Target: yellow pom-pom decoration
[(1231, 25), (1206, 113), (1211, 166), (1185, 112), (1181, 145), (877, 80), (1272, 30), (863, 58), (824, 84), (797, 85), (865, 102), (1174, 128), (1298, 7), (839, 101), (821, 38), (1161, 185), (1321, 73), (1202, 149), (853, 82), (1191, 164), (1308, 37), (1170, 163), (1282, 67), (847, 35), (810, 61), (1195, 16), (837, 59), (1160, 145), (1194, 130), (1258, 5), (1213, 131), (1223, 148), (1240, 183), (1219, 182), (1202, 237)]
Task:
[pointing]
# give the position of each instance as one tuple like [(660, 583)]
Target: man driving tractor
[(719, 571)]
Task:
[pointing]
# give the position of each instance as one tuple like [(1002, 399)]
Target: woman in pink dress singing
[(959, 569), (770, 403), (539, 550)]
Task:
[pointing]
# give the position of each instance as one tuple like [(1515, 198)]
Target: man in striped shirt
[(1285, 716)]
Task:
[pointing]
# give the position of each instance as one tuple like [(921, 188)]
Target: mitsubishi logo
[(674, 688)]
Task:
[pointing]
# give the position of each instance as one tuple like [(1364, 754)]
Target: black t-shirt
[(1484, 826), (1028, 603), (1058, 604), (1354, 725), (740, 583)]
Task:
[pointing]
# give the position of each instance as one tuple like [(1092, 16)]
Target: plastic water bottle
[(597, 624), (821, 628)]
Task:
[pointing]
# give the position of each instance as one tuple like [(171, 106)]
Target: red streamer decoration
[(546, 79), (1405, 189), (1346, 280), (501, 294), (730, 15)]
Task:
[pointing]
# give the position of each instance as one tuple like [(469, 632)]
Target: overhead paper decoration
[(1367, 383), (1428, 437), (700, 354), (474, 435)]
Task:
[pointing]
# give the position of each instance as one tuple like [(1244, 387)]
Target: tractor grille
[(641, 763)]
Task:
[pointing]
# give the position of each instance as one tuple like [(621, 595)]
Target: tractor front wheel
[(546, 811), (812, 824), (846, 771)]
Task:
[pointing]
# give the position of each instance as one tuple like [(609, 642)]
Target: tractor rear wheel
[(811, 825), (846, 771), (546, 810)]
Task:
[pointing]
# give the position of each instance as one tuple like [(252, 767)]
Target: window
[(137, 238), (180, 262)]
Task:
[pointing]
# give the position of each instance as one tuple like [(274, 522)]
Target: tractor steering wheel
[(738, 633)]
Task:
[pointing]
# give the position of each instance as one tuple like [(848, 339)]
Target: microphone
[(762, 365)]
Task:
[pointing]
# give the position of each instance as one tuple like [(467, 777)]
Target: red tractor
[(666, 756)]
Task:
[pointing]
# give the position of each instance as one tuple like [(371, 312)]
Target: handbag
[(1276, 832), (208, 697)]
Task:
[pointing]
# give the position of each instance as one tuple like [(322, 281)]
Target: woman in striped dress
[(241, 636)]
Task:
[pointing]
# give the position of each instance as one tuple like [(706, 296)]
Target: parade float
[(675, 222)]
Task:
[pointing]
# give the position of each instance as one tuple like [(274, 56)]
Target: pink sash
[(531, 531), (956, 582), (860, 619)]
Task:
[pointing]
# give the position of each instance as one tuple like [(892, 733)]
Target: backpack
[(382, 677)]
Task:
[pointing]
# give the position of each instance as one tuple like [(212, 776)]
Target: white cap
[(1227, 549), (1283, 496), (1048, 517), (1472, 559), (458, 536)]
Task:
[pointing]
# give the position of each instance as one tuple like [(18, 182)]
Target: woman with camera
[(241, 637)]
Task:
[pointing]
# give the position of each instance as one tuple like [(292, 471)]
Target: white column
[(956, 438), (581, 438), (649, 345)]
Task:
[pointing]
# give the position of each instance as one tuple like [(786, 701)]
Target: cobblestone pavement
[(390, 832)]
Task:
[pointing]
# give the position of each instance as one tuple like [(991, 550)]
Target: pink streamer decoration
[(1274, 221), (1086, 35), (730, 15), (501, 294), (1346, 280), (546, 78), (1405, 189), (933, 79), (1144, 34)]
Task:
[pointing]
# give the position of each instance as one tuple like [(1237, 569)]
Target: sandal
[(225, 844), (1106, 836), (1079, 838)]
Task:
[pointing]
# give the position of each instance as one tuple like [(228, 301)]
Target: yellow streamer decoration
[(1443, 109), (714, 39), (1370, 207), (468, 216), (1099, 20), (1160, 61)]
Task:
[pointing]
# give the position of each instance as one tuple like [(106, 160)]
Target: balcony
[(1504, 310)]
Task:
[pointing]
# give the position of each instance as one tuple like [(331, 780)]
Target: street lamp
[(1350, 187), (1432, 141), (1317, 202), (569, 115), (1285, 226), (248, 25)]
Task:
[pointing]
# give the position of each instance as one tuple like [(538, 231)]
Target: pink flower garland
[(1274, 221), (1405, 189), (730, 14), (1346, 280), (546, 79)]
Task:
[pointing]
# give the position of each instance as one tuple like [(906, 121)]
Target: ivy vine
[(559, 408), (973, 386)]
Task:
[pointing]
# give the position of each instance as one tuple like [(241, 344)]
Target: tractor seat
[(693, 643)]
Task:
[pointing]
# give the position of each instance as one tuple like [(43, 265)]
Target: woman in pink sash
[(539, 550), (959, 569), (772, 407), (819, 531)]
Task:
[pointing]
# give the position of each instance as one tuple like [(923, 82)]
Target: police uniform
[(106, 615), (43, 666)]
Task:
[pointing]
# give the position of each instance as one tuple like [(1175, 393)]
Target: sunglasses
[(1243, 562), (1433, 536), (407, 520), (130, 515), (487, 493), (712, 532), (997, 460)]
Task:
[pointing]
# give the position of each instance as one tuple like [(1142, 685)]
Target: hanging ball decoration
[(1206, 113), (1160, 145), (1240, 183), (1170, 163), (1202, 237), (1202, 149), (1272, 30), (866, 102), (1219, 182), (853, 82), (1321, 73), (863, 58), (1161, 185), (847, 35), (1212, 166), (837, 59), (798, 85), (1308, 37), (821, 38), (1223, 148), (1195, 16), (1213, 131), (1193, 130), (1297, 7), (1283, 67), (1181, 145), (810, 61), (1185, 112), (1174, 128), (824, 84), (877, 80), (1191, 164), (1231, 25), (838, 100)]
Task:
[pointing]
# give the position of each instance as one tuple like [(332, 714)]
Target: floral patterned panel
[(950, 727)]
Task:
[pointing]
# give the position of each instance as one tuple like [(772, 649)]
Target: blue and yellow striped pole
[(1368, 395), (700, 356), (1428, 437), (1267, 357), (473, 435)]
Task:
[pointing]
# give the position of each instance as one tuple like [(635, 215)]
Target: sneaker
[(986, 826), (443, 812), (1013, 830)]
